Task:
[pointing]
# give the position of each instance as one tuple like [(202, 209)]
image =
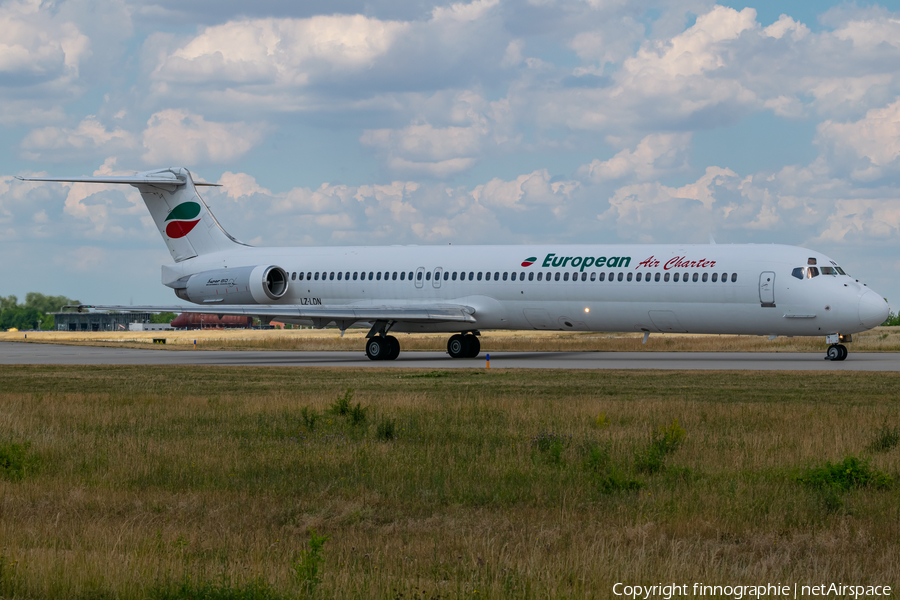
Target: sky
[(420, 122)]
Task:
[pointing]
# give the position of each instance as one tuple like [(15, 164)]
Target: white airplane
[(723, 289)]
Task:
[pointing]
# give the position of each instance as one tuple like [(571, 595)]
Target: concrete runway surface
[(12, 353)]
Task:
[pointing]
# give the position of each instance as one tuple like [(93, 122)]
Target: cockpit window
[(808, 272), (840, 270), (798, 273), (828, 271), (812, 272)]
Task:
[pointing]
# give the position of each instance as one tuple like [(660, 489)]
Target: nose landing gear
[(836, 352)]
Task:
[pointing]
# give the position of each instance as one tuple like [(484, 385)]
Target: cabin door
[(420, 277), (436, 277), (767, 288)]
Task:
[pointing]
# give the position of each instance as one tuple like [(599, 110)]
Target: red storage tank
[(198, 321)]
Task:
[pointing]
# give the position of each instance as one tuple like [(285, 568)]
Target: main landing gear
[(836, 352), (463, 346), (382, 347)]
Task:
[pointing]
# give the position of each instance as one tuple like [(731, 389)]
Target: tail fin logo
[(182, 219)]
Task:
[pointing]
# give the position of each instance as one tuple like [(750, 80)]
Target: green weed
[(664, 440), (206, 590), (886, 439), (341, 406), (386, 430), (15, 461), (309, 418), (357, 415), (550, 446)]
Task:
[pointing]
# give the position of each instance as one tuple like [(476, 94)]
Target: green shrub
[(886, 438), (664, 440), (386, 430), (843, 476), (306, 567), (15, 461), (892, 320), (357, 415)]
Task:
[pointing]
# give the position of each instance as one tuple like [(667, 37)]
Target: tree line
[(34, 313)]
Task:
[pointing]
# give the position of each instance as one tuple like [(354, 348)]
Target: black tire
[(376, 348), (457, 346), (844, 352), (474, 346), (394, 348), (834, 352)]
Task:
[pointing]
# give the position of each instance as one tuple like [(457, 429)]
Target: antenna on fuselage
[(711, 240)]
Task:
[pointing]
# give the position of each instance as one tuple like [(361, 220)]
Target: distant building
[(98, 321)]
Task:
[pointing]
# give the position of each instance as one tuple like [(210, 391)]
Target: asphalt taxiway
[(12, 353)]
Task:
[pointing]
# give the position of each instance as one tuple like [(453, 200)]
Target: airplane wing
[(164, 178), (342, 316)]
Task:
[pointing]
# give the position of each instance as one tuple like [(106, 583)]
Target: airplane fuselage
[(716, 288)]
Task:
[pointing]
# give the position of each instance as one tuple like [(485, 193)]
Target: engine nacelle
[(243, 285)]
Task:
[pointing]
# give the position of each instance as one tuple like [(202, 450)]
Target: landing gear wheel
[(377, 348), (844, 352), (474, 346), (457, 346), (394, 348), (834, 352)]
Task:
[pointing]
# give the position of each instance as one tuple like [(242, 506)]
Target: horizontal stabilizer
[(126, 179), (325, 314)]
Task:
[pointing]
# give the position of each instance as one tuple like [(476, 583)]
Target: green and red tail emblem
[(529, 261), (182, 219)]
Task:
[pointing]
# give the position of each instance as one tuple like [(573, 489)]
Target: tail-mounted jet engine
[(243, 285)]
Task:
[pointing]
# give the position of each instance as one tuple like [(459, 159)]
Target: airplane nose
[(873, 310)]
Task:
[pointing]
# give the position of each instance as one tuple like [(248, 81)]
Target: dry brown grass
[(880, 339), (146, 478)]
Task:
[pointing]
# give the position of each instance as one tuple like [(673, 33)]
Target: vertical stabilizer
[(183, 218)]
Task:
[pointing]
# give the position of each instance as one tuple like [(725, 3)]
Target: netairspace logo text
[(739, 592)]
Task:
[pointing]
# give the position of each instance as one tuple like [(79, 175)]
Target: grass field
[(880, 339), (186, 482)]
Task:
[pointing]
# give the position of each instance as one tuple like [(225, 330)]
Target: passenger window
[(419, 276), (705, 277), (512, 276), (378, 276), (675, 277), (293, 276), (638, 277), (339, 275), (531, 277), (540, 275), (666, 277), (317, 275), (471, 275), (629, 277), (715, 277), (370, 275), (428, 276), (446, 275), (308, 276), (454, 276), (556, 277), (602, 276), (612, 276), (593, 276), (686, 276), (565, 276), (497, 276), (733, 277), (696, 277), (347, 275), (504, 276), (354, 275), (410, 276), (584, 276), (619, 278), (394, 276), (478, 277), (331, 276), (402, 275), (656, 278), (724, 277)]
